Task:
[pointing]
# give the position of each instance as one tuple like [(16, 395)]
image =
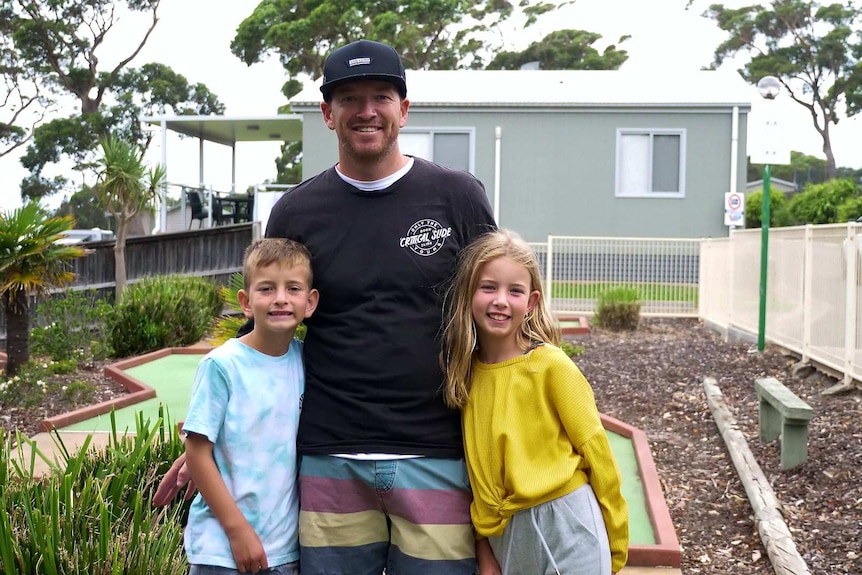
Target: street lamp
[(769, 87)]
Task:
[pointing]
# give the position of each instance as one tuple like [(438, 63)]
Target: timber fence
[(215, 252)]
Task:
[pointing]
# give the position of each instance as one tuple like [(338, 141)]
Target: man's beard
[(365, 155)]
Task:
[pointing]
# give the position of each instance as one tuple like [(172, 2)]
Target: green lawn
[(647, 291)]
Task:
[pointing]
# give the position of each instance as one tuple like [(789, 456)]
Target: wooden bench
[(782, 413)]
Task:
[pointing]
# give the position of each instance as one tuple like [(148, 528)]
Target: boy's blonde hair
[(459, 332), (267, 251)]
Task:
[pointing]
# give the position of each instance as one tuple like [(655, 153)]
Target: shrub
[(619, 309), (93, 512), (819, 203), (850, 210), (163, 311), (571, 349), (778, 213), (72, 326)]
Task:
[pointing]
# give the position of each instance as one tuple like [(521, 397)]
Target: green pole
[(764, 259)]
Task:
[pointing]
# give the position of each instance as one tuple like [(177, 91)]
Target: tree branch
[(123, 63)]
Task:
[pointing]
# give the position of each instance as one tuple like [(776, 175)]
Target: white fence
[(813, 295), (814, 284), (663, 271)]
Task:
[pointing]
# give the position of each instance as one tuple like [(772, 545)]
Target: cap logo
[(364, 61)]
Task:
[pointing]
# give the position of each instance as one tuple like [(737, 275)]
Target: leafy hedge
[(163, 311)]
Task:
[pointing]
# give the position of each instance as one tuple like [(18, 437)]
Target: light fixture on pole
[(769, 87)]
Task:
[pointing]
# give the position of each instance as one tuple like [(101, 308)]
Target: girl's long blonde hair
[(459, 332)]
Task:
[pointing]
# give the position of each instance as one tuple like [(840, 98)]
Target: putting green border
[(666, 551), (573, 324)]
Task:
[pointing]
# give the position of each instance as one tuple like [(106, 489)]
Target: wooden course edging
[(774, 533), (666, 551)]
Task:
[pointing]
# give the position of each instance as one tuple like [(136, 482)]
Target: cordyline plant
[(126, 188), (93, 512)]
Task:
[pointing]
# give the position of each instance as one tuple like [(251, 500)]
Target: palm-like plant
[(31, 263), (126, 188)]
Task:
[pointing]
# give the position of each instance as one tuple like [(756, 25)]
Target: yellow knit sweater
[(532, 433)]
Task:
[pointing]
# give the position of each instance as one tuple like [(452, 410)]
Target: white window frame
[(651, 132), (431, 132)]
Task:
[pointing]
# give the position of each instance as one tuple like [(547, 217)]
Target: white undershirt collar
[(380, 184)]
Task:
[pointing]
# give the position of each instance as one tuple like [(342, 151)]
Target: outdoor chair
[(223, 212), (196, 203), (200, 212)]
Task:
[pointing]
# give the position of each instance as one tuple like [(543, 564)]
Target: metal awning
[(227, 131)]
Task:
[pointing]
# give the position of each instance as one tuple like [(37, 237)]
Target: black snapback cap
[(363, 60)]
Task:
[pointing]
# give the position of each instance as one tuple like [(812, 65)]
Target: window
[(451, 147), (650, 163)]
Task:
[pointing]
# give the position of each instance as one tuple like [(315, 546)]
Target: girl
[(546, 487)]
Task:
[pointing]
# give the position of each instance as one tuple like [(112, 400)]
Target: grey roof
[(563, 88), (228, 130)]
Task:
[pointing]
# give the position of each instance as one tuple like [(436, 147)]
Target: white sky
[(193, 37)]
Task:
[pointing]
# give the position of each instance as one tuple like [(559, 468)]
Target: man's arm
[(245, 544), (173, 481)]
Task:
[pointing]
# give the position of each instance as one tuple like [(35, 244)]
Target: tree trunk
[(120, 259), (831, 168), (16, 306)]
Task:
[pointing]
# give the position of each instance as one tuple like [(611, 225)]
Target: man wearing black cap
[(382, 476)]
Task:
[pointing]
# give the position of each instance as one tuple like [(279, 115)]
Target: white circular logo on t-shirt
[(425, 237)]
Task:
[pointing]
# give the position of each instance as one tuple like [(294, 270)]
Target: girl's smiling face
[(501, 301)]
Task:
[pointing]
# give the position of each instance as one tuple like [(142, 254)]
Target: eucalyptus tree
[(813, 49), (22, 103), (31, 263), (63, 45), (429, 34), (84, 206), (564, 50)]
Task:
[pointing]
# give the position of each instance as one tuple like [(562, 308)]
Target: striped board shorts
[(407, 516)]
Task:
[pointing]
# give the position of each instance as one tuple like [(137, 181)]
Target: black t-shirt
[(381, 262)]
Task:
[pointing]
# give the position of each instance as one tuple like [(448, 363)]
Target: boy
[(242, 422)]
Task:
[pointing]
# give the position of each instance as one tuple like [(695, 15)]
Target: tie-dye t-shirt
[(247, 404)]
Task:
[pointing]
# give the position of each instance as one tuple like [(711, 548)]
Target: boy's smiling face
[(279, 298)]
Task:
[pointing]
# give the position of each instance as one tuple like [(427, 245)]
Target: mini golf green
[(172, 376), (170, 373)]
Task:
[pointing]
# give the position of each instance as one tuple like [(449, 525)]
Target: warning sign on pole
[(734, 209)]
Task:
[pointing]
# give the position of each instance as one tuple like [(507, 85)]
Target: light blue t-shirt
[(247, 404)]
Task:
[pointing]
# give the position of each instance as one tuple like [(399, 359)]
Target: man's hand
[(174, 480)]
